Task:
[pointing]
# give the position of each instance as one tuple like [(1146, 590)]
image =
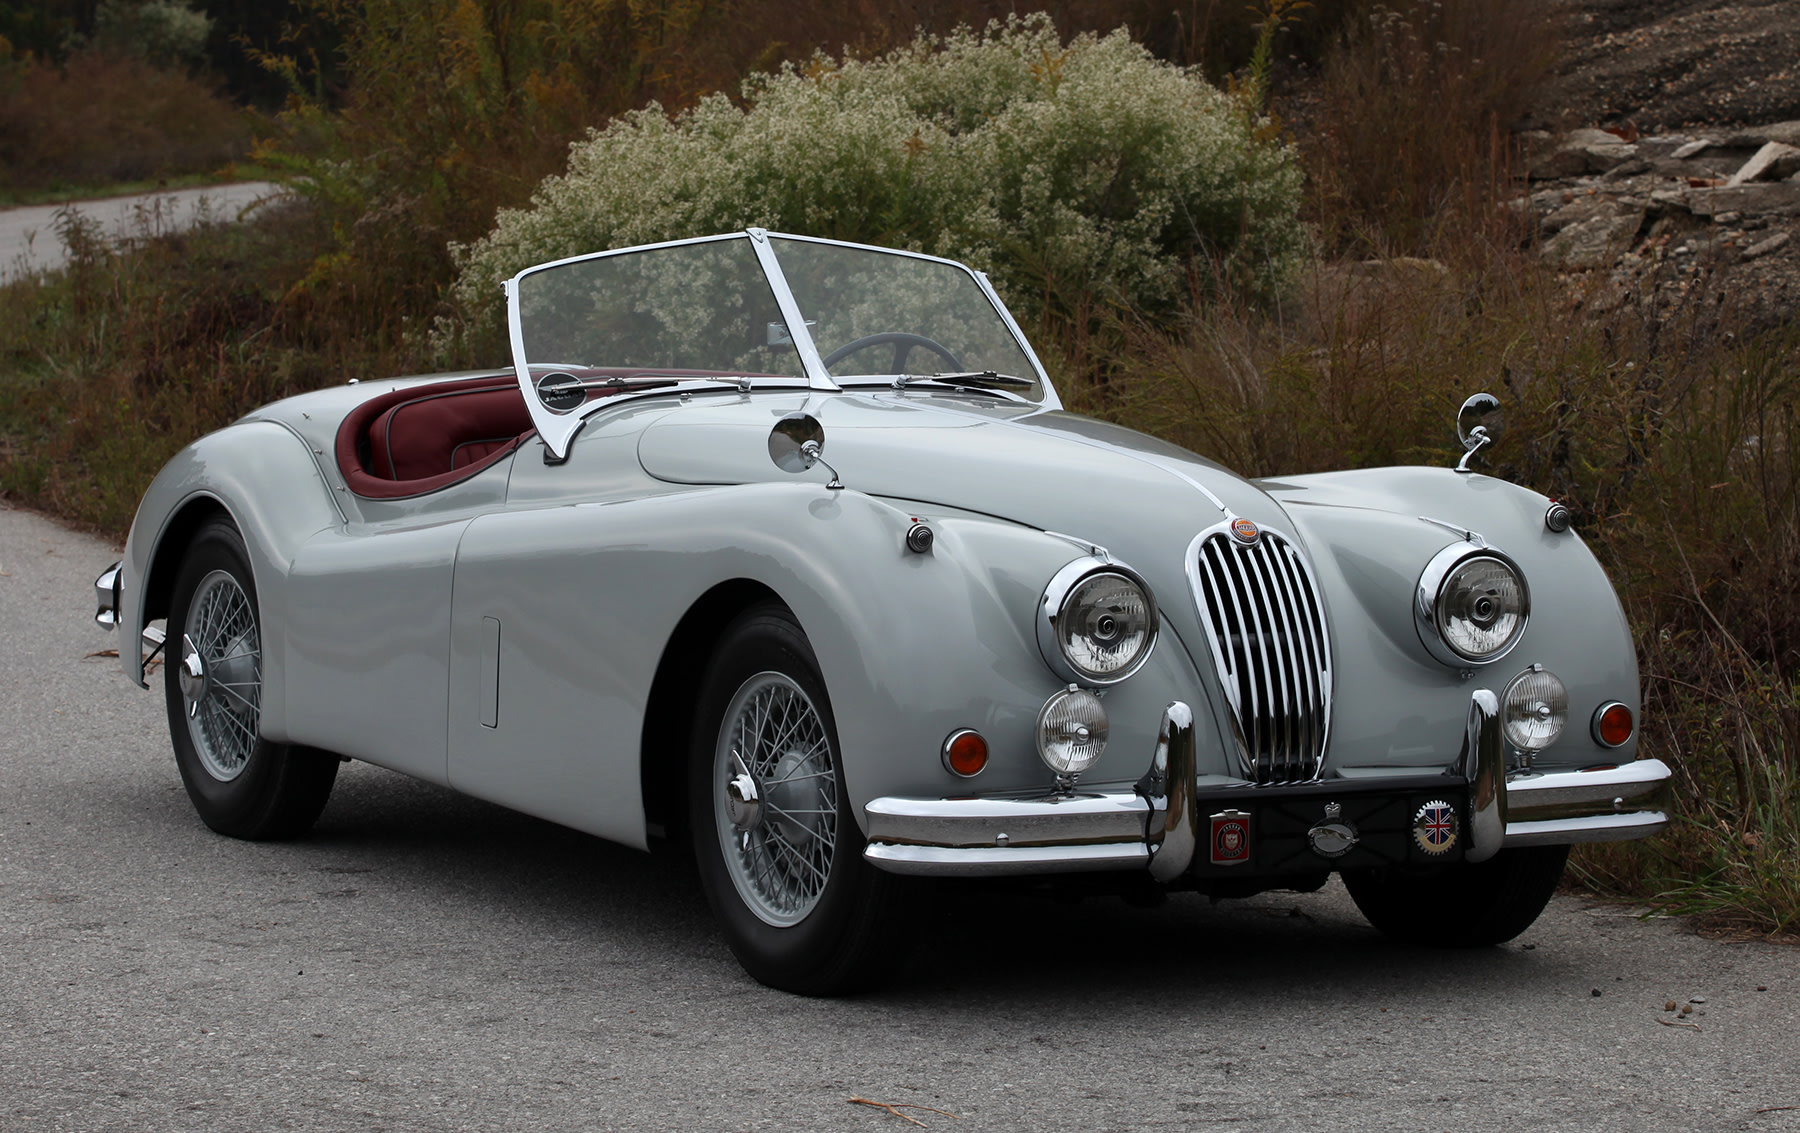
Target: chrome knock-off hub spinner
[(191, 675), (743, 798)]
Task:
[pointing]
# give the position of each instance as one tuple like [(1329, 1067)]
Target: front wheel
[(1466, 906), (240, 783), (777, 844)]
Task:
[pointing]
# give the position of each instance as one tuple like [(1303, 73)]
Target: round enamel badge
[(1434, 827), (1245, 530)]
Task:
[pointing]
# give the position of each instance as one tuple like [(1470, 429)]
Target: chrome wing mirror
[(1477, 426), (797, 442)]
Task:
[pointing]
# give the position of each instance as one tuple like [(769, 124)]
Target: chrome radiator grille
[(1263, 618)]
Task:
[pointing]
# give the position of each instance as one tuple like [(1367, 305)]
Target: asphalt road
[(427, 962), (28, 240)]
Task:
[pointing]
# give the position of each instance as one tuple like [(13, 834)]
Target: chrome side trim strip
[(1596, 828), (995, 861), (1484, 765)]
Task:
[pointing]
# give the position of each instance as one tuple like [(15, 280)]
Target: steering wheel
[(903, 344)]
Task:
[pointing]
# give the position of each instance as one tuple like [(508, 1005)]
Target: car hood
[(1142, 499)]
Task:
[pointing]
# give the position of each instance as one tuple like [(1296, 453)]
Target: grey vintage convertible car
[(786, 547)]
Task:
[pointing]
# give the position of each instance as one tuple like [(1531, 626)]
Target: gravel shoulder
[(425, 961)]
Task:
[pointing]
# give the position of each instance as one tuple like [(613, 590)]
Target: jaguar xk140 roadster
[(785, 547)]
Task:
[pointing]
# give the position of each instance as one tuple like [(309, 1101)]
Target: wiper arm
[(977, 379)]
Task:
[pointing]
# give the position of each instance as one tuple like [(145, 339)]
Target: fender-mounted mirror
[(797, 442), (1478, 425)]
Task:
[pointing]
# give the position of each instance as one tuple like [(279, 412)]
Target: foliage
[(167, 33), (100, 118), (1085, 174)]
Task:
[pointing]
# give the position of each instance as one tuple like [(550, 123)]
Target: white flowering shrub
[(1090, 172)]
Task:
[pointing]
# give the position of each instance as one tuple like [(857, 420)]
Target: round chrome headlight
[(1472, 605), (1071, 731), (1096, 623), (1534, 709)]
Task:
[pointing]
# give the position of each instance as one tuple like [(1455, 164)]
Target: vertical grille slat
[(1261, 610)]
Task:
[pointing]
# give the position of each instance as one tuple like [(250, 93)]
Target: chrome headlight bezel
[(1429, 596), (1052, 610)]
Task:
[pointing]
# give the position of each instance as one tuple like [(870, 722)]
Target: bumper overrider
[(1172, 828)]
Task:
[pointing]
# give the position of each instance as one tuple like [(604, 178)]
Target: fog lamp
[(1071, 731), (1534, 709)]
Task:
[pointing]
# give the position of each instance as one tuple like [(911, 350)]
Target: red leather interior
[(422, 438)]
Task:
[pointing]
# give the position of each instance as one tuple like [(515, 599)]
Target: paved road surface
[(426, 962), (28, 240)]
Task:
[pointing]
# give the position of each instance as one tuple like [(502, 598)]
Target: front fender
[(265, 478), (1371, 533)]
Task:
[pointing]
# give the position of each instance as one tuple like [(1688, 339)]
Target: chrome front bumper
[(1156, 825)]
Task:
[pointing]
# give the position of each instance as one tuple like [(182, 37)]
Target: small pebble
[(1686, 1010), (1760, 987), (1669, 1006), (1697, 999), (1528, 947), (1596, 993)]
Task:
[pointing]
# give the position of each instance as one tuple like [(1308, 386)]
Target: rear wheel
[(778, 848), (1466, 906), (240, 784)]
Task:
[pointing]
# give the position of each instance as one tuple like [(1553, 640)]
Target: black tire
[(241, 784), (835, 937), (1465, 906)]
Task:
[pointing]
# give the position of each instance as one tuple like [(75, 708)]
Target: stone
[(1773, 243), (1765, 198), (1690, 149), (1728, 218), (1595, 241), (1785, 132), (1770, 163), (1576, 153)]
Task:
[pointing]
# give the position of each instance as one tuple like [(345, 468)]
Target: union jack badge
[(1230, 837), (1435, 827)]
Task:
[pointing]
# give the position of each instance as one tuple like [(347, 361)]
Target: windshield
[(751, 306), (704, 307), (875, 313)]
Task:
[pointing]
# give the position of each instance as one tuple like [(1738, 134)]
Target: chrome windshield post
[(816, 375)]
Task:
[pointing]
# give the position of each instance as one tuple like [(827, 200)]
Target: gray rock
[(1577, 153), (1576, 212), (1596, 240), (1785, 132), (1780, 198), (1691, 149), (1773, 243), (1770, 163)]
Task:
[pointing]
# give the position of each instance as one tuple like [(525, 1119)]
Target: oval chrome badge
[(1245, 530)]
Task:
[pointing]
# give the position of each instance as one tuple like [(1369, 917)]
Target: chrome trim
[(994, 861), (1057, 591), (816, 375), (1484, 765), (1535, 796), (1050, 400), (1173, 831), (1599, 828), (1430, 589), (1594, 724), (1088, 818), (1558, 517), (944, 751), (1281, 701), (106, 596)]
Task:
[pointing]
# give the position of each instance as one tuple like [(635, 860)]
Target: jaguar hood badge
[(1334, 837)]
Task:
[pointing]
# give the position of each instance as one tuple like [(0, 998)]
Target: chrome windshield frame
[(557, 430)]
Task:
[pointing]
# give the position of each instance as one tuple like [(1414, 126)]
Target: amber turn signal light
[(965, 752), (1613, 724)]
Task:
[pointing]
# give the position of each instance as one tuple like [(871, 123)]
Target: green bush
[(1075, 175)]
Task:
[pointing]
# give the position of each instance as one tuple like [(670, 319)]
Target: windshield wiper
[(977, 379)]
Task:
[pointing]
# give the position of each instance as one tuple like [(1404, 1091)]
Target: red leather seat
[(422, 438)]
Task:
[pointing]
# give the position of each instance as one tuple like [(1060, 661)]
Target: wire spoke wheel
[(221, 676), (776, 798)]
